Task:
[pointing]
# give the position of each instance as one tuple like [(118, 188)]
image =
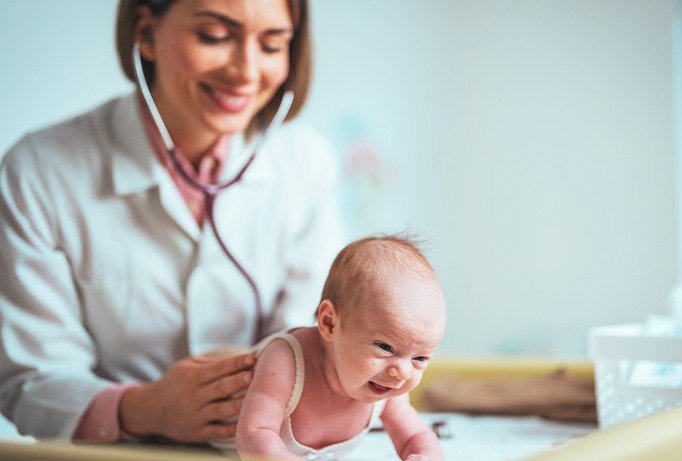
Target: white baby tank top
[(286, 432)]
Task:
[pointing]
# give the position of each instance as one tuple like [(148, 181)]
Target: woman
[(112, 283)]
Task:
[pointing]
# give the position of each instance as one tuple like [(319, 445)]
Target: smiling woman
[(219, 63), (104, 251)]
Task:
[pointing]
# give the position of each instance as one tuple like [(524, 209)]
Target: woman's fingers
[(194, 399), (217, 368), (222, 411), (225, 387), (218, 431)]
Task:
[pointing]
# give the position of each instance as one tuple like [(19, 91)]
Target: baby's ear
[(327, 319)]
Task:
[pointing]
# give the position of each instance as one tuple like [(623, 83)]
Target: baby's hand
[(417, 458)]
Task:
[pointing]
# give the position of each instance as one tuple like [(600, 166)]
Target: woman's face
[(218, 63)]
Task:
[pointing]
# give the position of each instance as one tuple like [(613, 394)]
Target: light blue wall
[(677, 84), (531, 142), (57, 59)]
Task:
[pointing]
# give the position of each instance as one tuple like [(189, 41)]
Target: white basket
[(620, 353)]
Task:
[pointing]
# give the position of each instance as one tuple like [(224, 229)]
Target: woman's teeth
[(230, 99), (227, 101)]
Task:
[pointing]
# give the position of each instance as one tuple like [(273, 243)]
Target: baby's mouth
[(378, 388)]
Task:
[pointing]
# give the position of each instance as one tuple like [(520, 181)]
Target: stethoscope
[(209, 190)]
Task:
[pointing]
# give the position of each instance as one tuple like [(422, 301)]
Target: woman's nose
[(400, 370), (243, 64)]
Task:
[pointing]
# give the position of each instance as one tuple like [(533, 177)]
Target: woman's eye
[(268, 48), (384, 347), (212, 39)]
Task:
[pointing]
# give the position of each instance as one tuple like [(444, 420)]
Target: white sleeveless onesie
[(286, 433)]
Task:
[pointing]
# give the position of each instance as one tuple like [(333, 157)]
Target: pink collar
[(209, 168)]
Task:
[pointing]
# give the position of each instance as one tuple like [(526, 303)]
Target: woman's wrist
[(135, 414)]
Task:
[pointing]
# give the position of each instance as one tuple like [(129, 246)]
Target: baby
[(317, 390)]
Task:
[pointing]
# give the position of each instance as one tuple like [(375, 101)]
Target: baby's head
[(381, 317)]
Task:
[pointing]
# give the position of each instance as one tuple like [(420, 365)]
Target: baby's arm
[(411, 437), (265, 403)]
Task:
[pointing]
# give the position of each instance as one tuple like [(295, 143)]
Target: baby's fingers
[(417, 458)]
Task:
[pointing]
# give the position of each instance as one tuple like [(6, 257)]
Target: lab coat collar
[(133, 164), (260, 172), (135, 168)]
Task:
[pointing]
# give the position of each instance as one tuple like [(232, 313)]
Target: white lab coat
[(105, 276)]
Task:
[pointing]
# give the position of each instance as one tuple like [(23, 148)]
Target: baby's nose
[(400, 372)]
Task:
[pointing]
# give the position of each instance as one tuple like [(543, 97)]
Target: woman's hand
[(193, 402), (417, 458)]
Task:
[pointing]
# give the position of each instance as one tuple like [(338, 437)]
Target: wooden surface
[(656, 437), (492, 367)]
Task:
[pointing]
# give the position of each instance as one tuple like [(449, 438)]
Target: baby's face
[(385, 344)]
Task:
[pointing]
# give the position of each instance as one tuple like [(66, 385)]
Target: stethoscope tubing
[(211, 190)]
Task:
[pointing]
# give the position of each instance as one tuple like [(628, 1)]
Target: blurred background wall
[(531, 143)]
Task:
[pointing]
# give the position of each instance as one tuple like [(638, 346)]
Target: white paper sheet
[(489, 438)]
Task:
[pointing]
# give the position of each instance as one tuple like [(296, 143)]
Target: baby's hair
[(370, 263)]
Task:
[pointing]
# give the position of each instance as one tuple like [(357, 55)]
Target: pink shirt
[(209, 168), (100, 420)]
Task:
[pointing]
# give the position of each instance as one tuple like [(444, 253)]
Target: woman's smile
[(231, 101), (217, 66)]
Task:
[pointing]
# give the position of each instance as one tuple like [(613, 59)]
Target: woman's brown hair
[(300, 54)]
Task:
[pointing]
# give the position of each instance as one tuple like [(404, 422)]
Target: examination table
[(471, 437)]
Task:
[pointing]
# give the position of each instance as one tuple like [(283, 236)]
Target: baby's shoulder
[(276, 372), (277, 353)]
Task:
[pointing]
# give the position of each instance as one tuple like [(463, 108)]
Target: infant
[(317, 390)]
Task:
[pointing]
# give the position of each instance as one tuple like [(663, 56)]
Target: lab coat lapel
[(136, 169), (177, 208), (260, 172)]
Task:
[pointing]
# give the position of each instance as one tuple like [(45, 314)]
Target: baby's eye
[(384, 347), (421, 359)]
